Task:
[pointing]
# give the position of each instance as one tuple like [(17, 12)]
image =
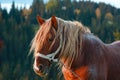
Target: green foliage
[(51, 4), (18, 27), (117, 35), (38, 8)]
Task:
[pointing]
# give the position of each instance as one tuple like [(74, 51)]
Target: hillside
[(18, 27)]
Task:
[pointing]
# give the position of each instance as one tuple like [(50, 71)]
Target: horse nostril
[(40, 67)]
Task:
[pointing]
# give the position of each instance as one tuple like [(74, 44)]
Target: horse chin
[(42, 73)]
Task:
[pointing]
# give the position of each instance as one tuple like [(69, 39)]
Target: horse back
[(113, 60), (114, 48)]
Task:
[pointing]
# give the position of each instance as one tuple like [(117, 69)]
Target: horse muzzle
[(41, 70)]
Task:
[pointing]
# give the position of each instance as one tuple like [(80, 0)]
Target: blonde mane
[(72, 34)]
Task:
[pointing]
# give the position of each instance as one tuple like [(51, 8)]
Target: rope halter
[(51, 56)]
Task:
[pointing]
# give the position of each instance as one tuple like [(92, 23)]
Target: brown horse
[(83, 55)]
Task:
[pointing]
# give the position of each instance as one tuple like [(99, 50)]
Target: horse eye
[(50, 39)]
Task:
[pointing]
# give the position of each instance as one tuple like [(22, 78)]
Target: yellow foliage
[(109, 16), (98, 13), (116, 35), (77, 11), (26, 12), (51, 4)]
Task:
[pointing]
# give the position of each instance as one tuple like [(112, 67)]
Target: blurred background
[(18, 26)]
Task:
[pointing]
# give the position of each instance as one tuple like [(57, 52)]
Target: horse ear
[(54, 22), (40, 20)]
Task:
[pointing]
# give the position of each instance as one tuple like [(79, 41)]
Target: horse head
[(46, 45)]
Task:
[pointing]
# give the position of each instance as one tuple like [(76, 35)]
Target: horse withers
[(83, 55)]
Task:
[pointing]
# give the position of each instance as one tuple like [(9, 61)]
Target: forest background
[(18, 27)]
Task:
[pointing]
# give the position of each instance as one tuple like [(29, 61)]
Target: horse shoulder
[(82, 72), (77, 74)]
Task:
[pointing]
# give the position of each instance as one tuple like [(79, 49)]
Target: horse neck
[(94, 51), (90, 44)]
